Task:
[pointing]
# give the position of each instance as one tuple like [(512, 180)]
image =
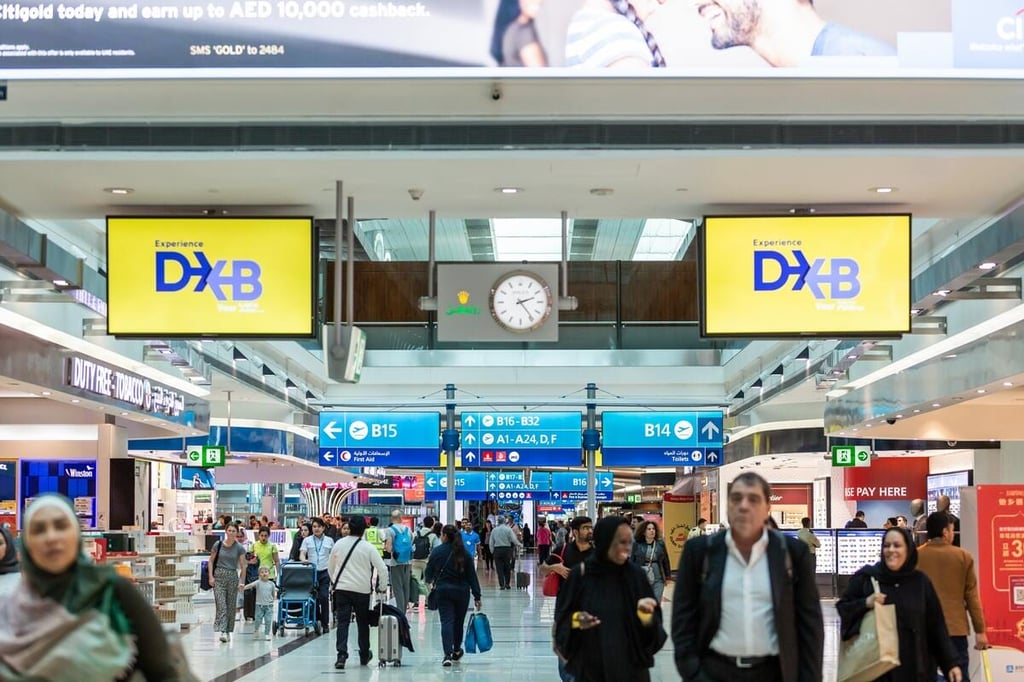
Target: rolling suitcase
[(522, 580), (389, 641)]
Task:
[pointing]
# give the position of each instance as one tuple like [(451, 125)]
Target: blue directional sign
[(539, 482), (467, 481), (390, 439), (503, 439), (573, 481), (662, 438)]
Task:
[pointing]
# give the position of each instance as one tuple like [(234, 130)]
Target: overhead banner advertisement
[(183, 38), (202, 277), (806, 276)]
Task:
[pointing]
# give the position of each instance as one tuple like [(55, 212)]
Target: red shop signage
[(791, 494), (888, 478), (669, 497)]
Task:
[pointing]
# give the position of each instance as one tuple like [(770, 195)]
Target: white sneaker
[(267, 637), (223, 636)]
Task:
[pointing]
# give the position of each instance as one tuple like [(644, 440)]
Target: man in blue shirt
[(470, 538), (784, 32)]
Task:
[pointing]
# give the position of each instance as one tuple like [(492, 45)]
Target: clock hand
[(523, 303), (524, 300)]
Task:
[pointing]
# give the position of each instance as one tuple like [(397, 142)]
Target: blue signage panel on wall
[(391, 439), (509, 439), (661, 438)]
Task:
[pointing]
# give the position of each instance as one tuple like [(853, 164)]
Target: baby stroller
[(296, 607)]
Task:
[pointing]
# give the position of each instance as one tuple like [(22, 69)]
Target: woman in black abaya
[(608, 625)]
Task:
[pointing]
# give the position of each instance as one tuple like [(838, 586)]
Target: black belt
[(744, 661)]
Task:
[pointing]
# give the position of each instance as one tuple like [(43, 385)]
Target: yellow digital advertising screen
[(830, 276), (202, 277)]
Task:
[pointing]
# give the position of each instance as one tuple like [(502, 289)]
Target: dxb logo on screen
[(228, 281), (832, 282)]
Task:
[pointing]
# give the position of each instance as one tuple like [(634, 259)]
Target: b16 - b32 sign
[(200, 277), (806, 275)]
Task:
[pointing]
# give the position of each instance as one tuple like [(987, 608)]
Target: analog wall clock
[(521, 301)]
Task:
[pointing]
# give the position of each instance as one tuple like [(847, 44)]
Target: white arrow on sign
[(431, 481), (712, 458), (710, 430), (470, 457), (332, 430), (329, 456), (606, 482), (469, 420), (469, 439)]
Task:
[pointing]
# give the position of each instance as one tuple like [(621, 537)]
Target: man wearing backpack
[(422, 543), (398, 556)]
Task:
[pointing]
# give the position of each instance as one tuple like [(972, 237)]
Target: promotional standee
[(1000, 565), (76, 479)]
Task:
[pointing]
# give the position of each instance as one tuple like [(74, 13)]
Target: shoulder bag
[(875, 650), (432, 595), (553, 581)]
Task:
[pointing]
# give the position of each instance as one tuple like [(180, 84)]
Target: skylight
[(532, 239), (662, 239)]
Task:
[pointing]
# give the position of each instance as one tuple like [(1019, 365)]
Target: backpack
[(401, 546), (421, 546)]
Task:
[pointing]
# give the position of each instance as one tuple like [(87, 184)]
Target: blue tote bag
[(478, 634)]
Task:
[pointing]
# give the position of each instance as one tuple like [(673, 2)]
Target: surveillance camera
[(951, 443), (210, 211), (496, 93), (890, 421), (416, 194)]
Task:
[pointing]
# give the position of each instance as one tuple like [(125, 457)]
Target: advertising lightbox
[(495, 38), (207, 277), (784, 276)]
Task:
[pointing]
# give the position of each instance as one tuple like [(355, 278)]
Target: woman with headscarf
[(10, 572), (73, 620), (303, 532), (924, 640), (608, 625)]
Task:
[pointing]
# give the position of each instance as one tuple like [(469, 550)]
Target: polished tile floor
[(520, 620)]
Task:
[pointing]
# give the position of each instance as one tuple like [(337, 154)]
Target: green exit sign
[(637, 498), (851, 456)]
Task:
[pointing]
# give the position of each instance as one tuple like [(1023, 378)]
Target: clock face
[(521, 301)]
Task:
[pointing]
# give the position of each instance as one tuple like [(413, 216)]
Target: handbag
[(652, 576), (432, 595), (552, 581), (875, 650), (480, 626)]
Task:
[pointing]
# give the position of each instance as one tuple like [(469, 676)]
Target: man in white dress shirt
[(746, 607), (316, 549)]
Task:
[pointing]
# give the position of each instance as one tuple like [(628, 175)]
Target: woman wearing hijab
[(10, 572), (304, 531), (650, 555), (608, 625), (924, 640), (73, 620)]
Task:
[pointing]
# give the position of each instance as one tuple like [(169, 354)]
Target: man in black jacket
[(724, 625)]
